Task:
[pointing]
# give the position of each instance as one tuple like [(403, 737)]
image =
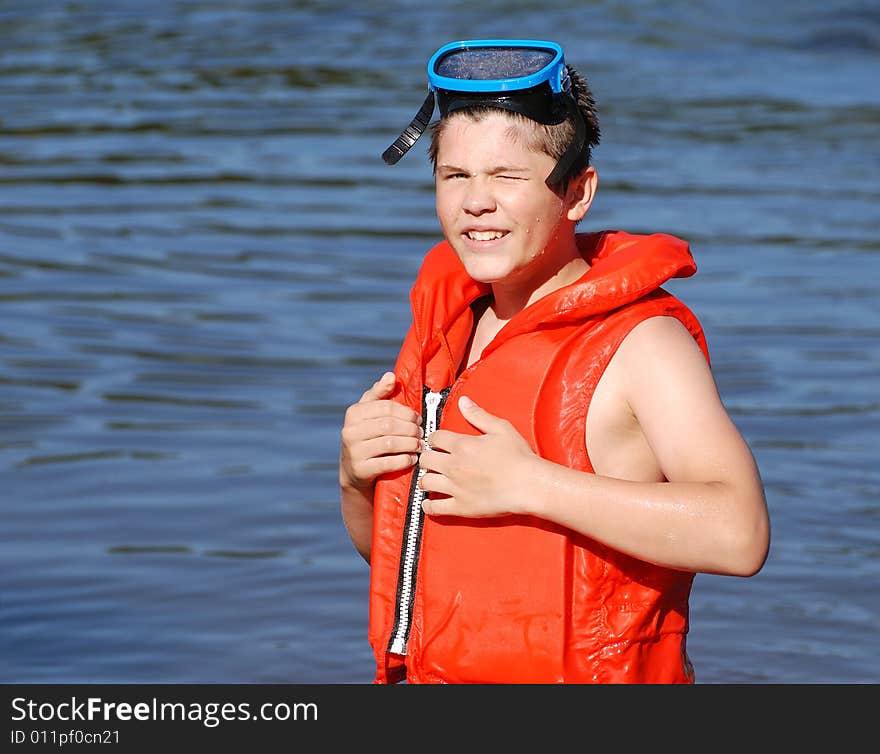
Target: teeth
[(484, 235)]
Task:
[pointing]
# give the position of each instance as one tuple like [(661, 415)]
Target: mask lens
[(492, 63)]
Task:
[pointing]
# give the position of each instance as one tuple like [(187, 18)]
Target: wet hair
[(551, 140)]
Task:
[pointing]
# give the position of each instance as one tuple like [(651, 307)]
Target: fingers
[(374, 403), (379, 435), (361, 461), (385, 408), (436, 483), (436, 460), (364, 421), (389, 445), (479, 417), (445, 440), (370, 468), (388, 425), (440, 497), (444, 506), (381, 388), (436, 466)]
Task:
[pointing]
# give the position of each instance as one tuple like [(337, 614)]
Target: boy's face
[(493, 205)]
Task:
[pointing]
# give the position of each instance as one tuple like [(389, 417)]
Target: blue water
[(203, 260)]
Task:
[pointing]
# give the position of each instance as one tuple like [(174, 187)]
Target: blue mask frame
[(519, 75)]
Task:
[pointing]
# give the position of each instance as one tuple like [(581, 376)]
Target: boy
[(549, 464)]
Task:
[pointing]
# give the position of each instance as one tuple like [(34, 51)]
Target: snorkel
[(528, 77)]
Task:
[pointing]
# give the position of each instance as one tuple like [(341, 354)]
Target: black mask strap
[(574, 149), (403, 143)]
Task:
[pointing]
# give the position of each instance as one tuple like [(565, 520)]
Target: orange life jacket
[(517, 599)]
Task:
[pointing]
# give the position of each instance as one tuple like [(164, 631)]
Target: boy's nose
[(479, 198)]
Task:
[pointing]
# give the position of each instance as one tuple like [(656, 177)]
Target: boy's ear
[(581, 191)]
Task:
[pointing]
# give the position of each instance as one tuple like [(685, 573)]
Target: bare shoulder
[(659, 336), (660, 357)]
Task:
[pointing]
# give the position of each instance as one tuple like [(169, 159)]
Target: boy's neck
[(510, 297)]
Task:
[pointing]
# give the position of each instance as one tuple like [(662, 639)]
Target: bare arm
[(378, 436), (357, 514), (709, 515)]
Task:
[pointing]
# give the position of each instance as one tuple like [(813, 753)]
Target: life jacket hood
[(624, 267)]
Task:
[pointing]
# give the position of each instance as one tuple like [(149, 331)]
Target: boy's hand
[(379, 435), (482, 475)]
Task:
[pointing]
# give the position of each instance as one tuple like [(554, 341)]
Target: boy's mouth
[(485, 235)]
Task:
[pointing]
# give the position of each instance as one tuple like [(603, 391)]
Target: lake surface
[(203, 261)]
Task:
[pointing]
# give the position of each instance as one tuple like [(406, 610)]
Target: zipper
[(412, 533)]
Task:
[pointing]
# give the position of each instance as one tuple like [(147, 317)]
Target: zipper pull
[(432, 403)]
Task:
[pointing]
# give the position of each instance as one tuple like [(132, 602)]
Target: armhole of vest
[(623, 330), (665, 308), (620, 335)]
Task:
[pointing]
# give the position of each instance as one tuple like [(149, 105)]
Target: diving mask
[(523, 76)]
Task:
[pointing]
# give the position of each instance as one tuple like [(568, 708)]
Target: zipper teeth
[(410, 553)]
